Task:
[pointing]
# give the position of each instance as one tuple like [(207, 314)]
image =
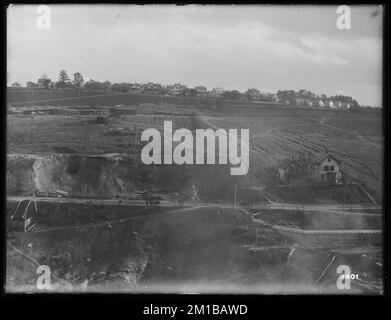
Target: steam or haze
[(236, 47)]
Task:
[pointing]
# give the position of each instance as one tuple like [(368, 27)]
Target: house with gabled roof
[(44, 83), (201, 91), (288, 170), (217, 92), (328, 168), (322, 168)]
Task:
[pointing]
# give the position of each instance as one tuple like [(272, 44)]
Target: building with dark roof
[(322, 168)]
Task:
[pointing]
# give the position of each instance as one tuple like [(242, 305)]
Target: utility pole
[(302, 202), (344, 195), (195, 195), (136, 138), (235, 190)]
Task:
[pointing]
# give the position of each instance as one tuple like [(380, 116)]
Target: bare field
[(63, 134)]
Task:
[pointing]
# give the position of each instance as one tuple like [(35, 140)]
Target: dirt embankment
[(77, 175), (109, 176), (88, 176)]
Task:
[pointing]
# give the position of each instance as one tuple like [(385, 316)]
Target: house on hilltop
[(320, 103), (217, 92), (151, 88), (201, 91), (253, 94), (176, 90), (44, 83), (135, 88), (303, 102)]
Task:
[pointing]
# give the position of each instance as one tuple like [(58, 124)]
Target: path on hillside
[(324, 119), (190, 204), (254, 146)]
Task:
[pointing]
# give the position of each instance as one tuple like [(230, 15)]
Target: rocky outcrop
[(78, 175)]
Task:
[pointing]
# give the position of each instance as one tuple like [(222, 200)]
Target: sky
[(235, 47)]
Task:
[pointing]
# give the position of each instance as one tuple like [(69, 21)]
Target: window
[(328, 159), (331, 168), (326, 168)]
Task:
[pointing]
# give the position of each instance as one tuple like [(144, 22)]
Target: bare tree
[(78, 80)]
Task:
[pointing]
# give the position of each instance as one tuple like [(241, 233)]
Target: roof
[(43, 80), (302, 161), (321, 156)]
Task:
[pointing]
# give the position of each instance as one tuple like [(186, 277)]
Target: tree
[(63, 79), (16, 85), (106, 85), (93, 85), (121, 87), (78, 80), (125, 87), (116, 87), (192, 92), (232, 95), (226, 95)]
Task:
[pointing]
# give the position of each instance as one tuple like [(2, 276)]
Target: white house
[(338, 104), (275, 99), (329, 169), (217, 92)]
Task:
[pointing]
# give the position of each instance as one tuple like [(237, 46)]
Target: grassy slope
[(356, 139)]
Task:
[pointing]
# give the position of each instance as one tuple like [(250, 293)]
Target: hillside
[(70, 126)]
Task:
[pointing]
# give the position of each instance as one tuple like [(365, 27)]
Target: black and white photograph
[(194, 149)]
